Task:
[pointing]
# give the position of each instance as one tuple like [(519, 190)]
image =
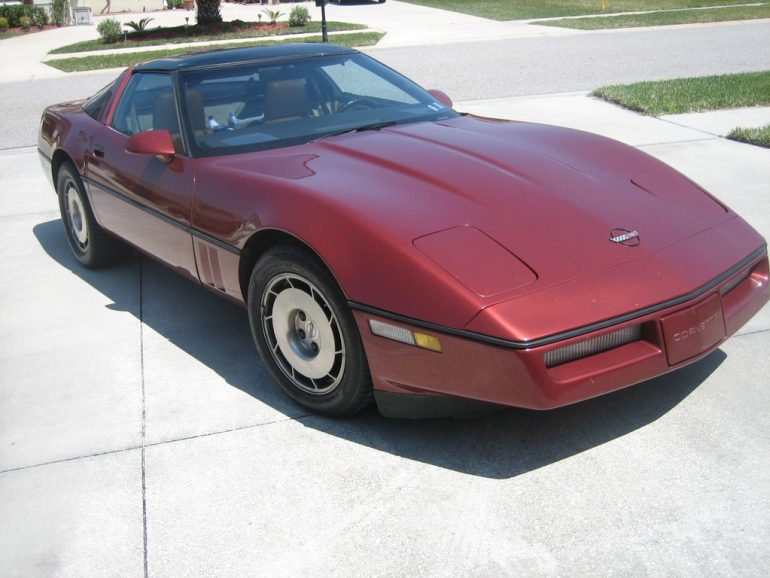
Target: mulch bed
[(207, 30)]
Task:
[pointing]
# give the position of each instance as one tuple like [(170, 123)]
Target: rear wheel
[(92, 246), (306, 334)]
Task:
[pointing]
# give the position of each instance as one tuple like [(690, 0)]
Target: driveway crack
[(144, 413), (752, 332)]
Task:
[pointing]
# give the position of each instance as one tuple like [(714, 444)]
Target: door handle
[(98, 151)]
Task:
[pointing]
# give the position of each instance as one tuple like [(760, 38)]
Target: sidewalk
[(721, 122), (578, 110)]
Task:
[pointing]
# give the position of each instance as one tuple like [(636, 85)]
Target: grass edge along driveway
[(664, 18), (123, 59), (177, 34), (529, 9), (698, 94)]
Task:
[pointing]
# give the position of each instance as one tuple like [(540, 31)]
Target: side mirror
[(441, 96), (152, 142)]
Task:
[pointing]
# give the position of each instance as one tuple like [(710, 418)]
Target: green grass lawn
[(691, 94), (178, 35), (119, 60), (664, 18), (9, 34), (525, 9), (756, 136)]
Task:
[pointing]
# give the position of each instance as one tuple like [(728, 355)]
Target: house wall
[(120, 5)]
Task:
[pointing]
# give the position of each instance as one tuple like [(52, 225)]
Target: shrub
[(14, 12), (60, 12), (39, 18), (25, 22), (11, 14), (109, 29), (3, 23), (174, 4), (299, 16)]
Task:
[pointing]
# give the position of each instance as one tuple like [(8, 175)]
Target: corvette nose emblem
[(625, 237)]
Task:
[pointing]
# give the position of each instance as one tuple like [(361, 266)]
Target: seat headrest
[(285, 100)]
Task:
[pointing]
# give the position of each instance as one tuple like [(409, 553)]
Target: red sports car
[(390, 249)]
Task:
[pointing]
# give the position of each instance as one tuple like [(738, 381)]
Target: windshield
[(261, 106)]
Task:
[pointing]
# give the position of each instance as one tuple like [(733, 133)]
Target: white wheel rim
[(76, 215), (303, 334)]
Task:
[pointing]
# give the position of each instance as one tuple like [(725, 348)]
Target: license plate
[(693, 330)]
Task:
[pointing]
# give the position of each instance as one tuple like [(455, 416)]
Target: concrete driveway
[(141, 436)]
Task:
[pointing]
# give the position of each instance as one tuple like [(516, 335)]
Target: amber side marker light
[(590, 346), (403, 335)]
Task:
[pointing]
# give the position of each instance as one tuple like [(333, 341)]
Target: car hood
[(549, 195), (541, 201)]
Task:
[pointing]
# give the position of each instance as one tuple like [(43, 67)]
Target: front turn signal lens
[(403, 335), (427, 342)]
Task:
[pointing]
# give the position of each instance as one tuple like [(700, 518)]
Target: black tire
[(91, 245), (305, 332)]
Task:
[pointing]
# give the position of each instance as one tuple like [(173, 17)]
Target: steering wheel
[(361, 102)]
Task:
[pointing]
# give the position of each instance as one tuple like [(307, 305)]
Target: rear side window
[(94, 105)]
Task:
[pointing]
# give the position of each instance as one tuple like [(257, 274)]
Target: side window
[(93, 106), (147, 104)]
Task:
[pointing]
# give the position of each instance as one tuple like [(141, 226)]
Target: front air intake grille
[(591, 346)]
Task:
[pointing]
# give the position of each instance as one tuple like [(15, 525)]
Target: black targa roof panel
[(241, 55)]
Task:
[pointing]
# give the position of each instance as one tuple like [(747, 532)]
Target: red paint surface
[(458, 252)]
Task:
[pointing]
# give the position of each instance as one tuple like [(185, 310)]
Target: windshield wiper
[(373, 126)]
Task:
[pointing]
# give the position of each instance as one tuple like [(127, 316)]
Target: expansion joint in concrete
[(144, 413)]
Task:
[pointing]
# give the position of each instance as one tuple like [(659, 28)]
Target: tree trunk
[(208, 12)]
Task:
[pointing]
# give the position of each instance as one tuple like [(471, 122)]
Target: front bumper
[(493, 372)]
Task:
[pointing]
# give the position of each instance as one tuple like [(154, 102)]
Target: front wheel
[(306, 334)]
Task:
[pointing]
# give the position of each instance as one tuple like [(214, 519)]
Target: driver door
[(142, 198)]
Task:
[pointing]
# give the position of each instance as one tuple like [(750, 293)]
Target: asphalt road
[(530, 66), (469, 71)]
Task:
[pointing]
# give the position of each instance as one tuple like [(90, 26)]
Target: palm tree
[(208, 12)]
